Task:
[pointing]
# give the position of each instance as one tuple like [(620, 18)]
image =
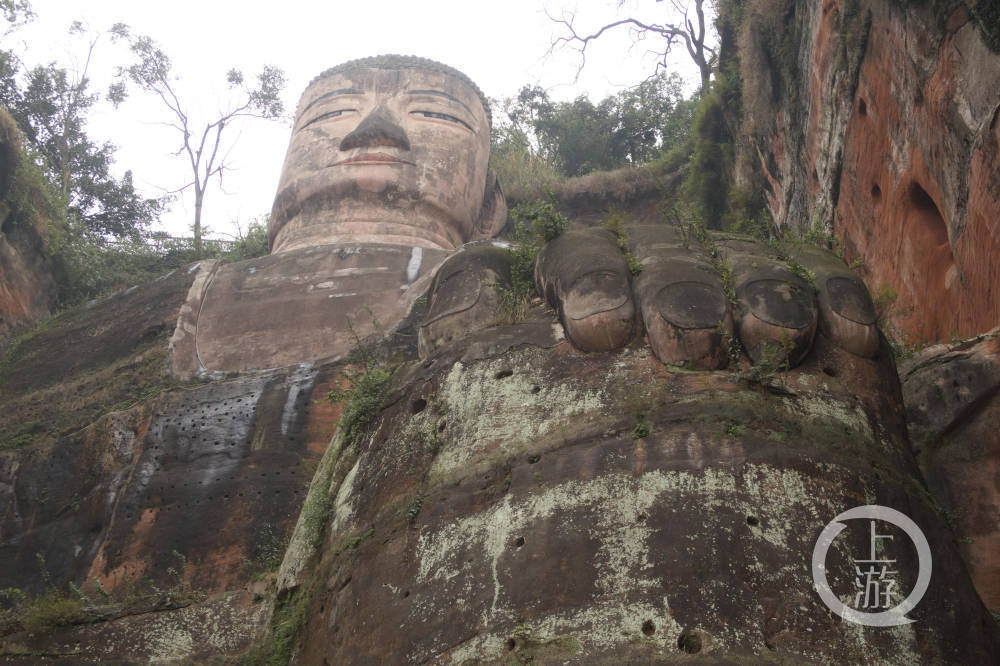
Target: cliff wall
[(878, 121), (27, 289), (166, 502)]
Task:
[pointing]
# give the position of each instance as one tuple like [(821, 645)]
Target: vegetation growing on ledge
[(363, 397), (535, 224), (68, 372), (616, 224), (69, 604)]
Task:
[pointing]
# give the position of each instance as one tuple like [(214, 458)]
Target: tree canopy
[(201, 143), (577, 137), (50, 104)]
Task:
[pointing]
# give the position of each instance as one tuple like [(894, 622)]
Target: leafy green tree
[(627, 129), (15, 14), (523, 172), (50, 105), (652, 118), (201, 143)]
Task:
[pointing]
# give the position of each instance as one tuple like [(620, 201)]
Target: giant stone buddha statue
[(590, 484), (387, 171)]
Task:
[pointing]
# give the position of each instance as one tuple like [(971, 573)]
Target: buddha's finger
[(584, 275), (463, 297), (681, 298), (847, 315), (777, 312)]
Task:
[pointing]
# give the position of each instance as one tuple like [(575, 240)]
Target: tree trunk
[(199, 196)]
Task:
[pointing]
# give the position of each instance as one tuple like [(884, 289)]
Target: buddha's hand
[(701, 298)]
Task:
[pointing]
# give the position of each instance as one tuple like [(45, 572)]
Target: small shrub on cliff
[(51, 610), (251, 244), (616, 224), (363, 397), (540, 219), (535, 224), (45, 612), (32, 201)]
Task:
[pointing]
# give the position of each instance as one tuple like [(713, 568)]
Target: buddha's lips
[(372, 158)]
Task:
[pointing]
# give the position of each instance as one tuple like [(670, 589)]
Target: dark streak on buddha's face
[(395, 156)]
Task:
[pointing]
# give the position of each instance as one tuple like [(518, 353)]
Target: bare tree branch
[(692, 32), (152, 73)]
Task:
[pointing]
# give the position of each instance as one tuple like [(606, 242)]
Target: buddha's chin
[(374, 177), (339, 212), (350, 223)]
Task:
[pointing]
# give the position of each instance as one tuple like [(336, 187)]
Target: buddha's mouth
[(372, 158)]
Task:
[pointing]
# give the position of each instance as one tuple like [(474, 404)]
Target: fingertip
[(848, 315), (602, 331)]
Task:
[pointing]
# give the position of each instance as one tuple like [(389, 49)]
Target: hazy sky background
[(500, 46)]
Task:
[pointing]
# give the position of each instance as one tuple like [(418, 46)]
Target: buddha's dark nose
[(377, 129)]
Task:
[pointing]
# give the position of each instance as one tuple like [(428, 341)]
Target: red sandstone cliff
[(26, 286), (879, 121)]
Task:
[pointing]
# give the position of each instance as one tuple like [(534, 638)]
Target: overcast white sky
[(501, 46)]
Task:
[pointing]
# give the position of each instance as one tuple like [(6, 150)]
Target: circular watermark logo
[(874, 581)]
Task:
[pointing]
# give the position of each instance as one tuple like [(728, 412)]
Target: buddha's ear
[(493, 214)]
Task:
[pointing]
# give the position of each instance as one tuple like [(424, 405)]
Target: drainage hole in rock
[(689, 641)]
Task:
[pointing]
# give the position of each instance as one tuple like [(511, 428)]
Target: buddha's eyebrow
[(441, 94), (342, 91)]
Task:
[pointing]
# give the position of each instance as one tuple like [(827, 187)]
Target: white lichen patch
[(222, 625), (851, 416), (505, 412), (170, 644), (343, 506), (596, 628), (903, 646), (607, 508)]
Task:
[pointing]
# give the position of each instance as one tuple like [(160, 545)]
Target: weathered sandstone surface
[(881, 122), (171, 496), (952, 395), (27, 289), (506, 505)]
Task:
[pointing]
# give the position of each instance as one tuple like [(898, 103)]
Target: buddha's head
[(391, 150)]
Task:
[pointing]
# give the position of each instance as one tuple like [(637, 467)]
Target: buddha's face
[(387, 156)]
